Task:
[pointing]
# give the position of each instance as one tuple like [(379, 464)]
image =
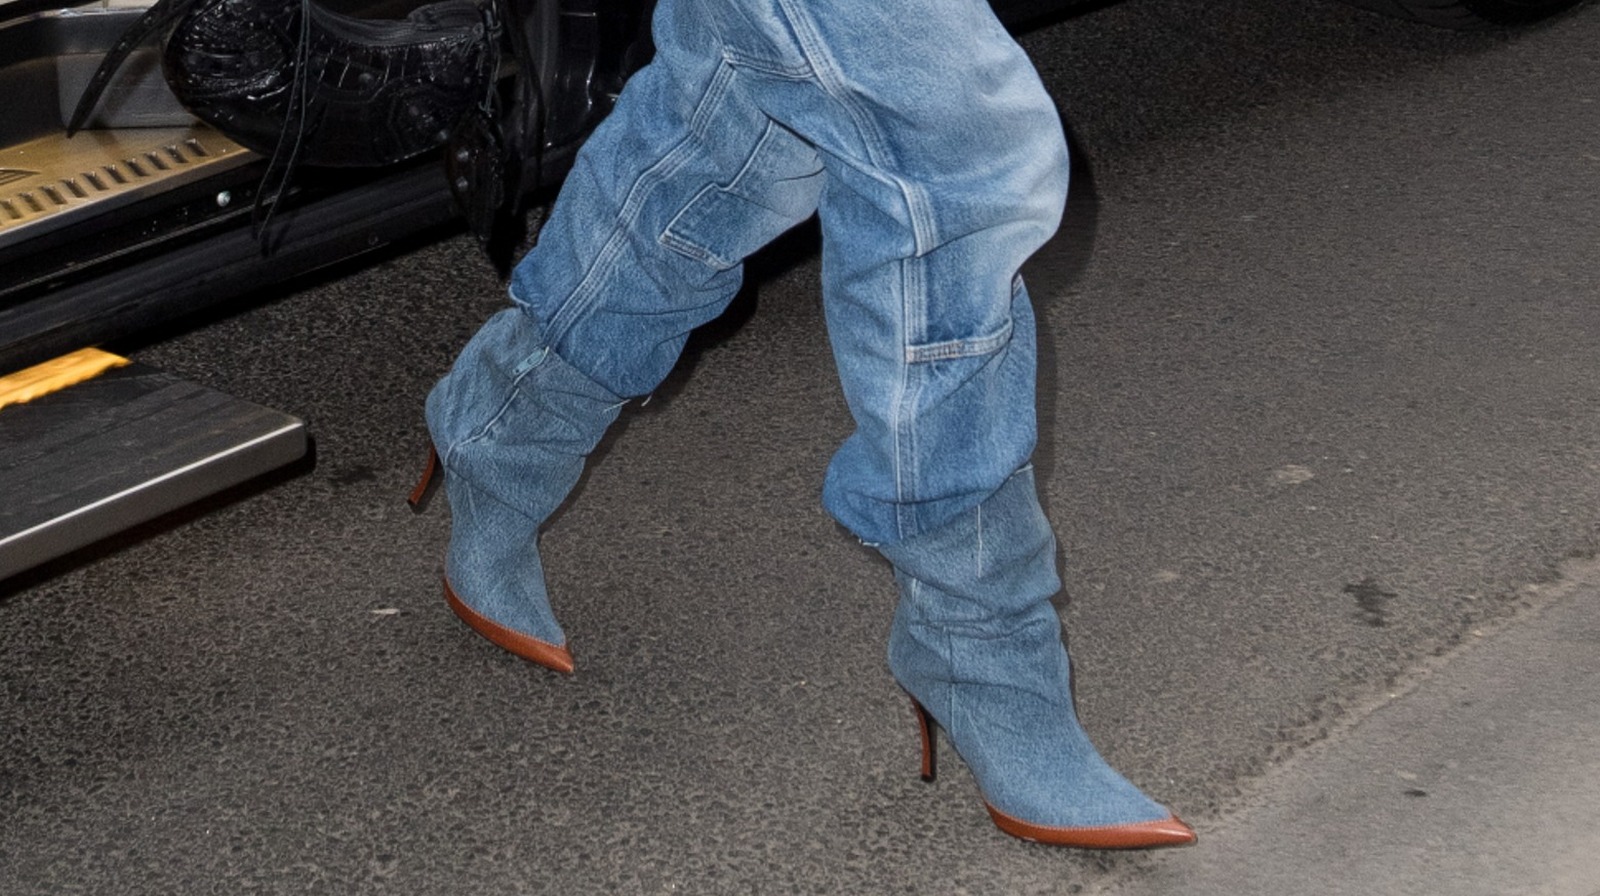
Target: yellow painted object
[(56, 374)]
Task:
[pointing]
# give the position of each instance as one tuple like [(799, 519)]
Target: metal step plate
[(121, 449), (53, 181)]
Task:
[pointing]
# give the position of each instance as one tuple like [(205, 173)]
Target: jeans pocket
[(956, 349)]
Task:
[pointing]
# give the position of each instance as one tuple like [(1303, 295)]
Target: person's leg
[(644, 243), (946, 169)]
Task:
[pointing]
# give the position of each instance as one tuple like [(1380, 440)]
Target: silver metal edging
[(114, 513)]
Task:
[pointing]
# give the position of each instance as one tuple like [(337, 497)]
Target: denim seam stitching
[(905, 428), (704, 254), (905, 439), (583, 296), (959, 348), (670, 238), (977, 562), (827, 74), (765, 67)]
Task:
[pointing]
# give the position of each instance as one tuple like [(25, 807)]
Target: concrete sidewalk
[(1481, 776)]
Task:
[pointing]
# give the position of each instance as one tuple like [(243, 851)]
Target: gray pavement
[(1477, 779), (1321, 345)]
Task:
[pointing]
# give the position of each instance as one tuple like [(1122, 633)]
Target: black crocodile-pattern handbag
[(303, 85)]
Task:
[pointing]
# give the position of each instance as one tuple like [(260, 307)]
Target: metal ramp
[(120, 449)]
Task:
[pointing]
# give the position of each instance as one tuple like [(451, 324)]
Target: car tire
[(1469, 13)]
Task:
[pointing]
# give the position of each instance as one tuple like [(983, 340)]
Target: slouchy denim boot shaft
[(512, 424), (977, 643)]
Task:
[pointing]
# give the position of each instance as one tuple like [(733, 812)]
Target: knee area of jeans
[(1002, 552), (1042, 178), (1010, 511), (1035, 168)]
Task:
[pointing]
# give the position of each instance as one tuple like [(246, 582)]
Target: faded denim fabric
[(512, 423), (977, 642), (922, 137)]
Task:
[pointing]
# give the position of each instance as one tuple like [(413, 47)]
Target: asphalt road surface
[(1319, 405)]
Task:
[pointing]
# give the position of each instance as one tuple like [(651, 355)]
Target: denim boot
[(512, 423), (977, 644)]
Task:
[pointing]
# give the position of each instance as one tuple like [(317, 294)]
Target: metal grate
[(56, 179)]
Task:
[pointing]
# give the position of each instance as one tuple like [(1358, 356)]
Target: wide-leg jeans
[(919, 133)]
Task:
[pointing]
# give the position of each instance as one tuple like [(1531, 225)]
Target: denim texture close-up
[(977, 643), (512, 429)]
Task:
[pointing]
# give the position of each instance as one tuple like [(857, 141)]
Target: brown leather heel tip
[(551, 656), (419, 496), (1170, 831)]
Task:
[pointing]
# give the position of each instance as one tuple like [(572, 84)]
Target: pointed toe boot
[(512, 423), (977, 644)]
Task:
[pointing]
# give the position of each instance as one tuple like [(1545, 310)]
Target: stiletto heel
[(927, 727), (419, 495)]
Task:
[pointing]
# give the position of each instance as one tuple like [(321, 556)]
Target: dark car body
[(148, 214)]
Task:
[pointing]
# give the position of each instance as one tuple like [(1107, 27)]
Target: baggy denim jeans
[(919, 133), (921, 137)]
